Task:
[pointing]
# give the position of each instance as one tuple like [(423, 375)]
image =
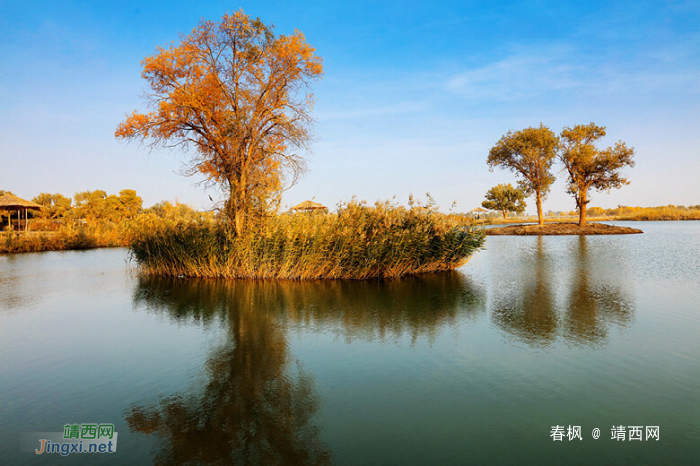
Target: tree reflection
[(530, 313), (593, 306), (525, 295), (257, 406)]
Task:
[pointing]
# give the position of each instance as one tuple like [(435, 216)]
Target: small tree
[(238, 95), (589, 167), (529, 153), (505, 198)]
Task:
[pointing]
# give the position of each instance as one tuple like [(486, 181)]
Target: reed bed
[(52, 235), (357, 242), (13, 242), (670, 212)]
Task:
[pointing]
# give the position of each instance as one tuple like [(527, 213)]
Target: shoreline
[(561, 229)]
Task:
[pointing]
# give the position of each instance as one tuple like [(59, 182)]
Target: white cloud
[(518, 76), (530, 74)]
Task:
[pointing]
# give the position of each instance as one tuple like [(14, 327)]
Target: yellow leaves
[(135, 125), (227, 89)]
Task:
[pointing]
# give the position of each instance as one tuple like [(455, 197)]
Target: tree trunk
[(234, 214), (239, 224), (235, 209), (539, 207), (582, 210), (505, 214)]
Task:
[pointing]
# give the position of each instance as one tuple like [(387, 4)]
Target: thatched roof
[(478, 210), (309, 205), (12, 202)]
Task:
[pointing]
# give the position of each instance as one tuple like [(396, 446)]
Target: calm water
[(470, 367)]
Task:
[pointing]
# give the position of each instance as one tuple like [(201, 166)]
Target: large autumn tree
[(239, 96), (589, 167), (530, 154)]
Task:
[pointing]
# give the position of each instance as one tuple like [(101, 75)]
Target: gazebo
[(310, 206), (11, 203), (478, 211)]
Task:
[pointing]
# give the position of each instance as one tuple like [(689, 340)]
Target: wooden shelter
[(310, 206), (10, 202), (478, 211)]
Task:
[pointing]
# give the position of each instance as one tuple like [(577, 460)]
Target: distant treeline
[(357, 241), (669, 212), (90, 219)]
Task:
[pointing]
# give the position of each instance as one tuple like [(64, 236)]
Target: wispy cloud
[(527, 75), (518, 76)]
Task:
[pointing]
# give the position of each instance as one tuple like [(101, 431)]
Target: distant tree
[(238, 95), (505, 198), (130, 203), (90, 205), (97, 206), (595, 211), (589, 167), (530, 154), (55, 205), (161, 209)]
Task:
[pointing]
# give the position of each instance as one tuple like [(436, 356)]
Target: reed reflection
[(415, 307), (527, 291), (257, 405)]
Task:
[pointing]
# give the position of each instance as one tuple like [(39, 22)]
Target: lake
[(484, 365)]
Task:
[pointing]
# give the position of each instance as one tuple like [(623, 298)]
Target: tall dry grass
[(669, 212), (357, 242)]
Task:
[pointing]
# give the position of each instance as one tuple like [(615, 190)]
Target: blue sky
[(413, 97)]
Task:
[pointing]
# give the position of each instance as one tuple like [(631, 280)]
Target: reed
[(357, 242), (669, 212)]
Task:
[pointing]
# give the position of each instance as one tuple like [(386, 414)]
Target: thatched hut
[(309, 206), (477, 212), (11, 203)]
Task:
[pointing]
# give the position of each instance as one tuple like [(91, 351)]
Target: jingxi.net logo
[(75, 438)]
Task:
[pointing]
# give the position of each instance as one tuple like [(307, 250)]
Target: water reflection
[(529, 312), (257, 404), (594, 306), (14, 290), (414, 306), (528, 287)]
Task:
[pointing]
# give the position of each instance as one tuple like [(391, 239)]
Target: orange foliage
[(237, 94)]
